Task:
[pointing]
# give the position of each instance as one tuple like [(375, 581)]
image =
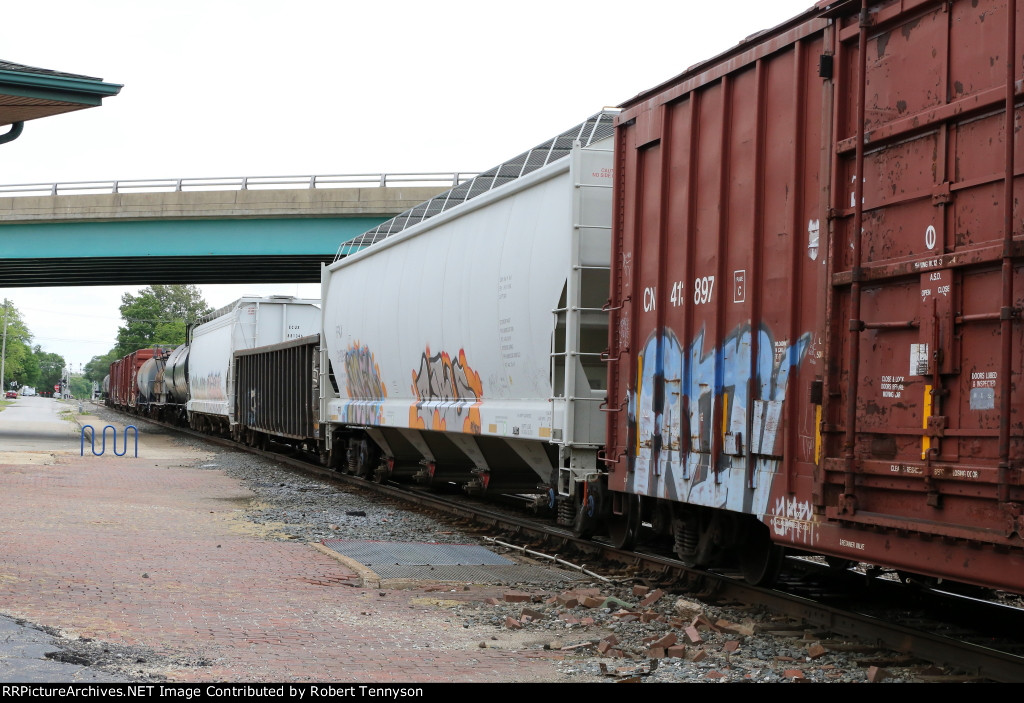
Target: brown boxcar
[(124, 391), (816, 336)]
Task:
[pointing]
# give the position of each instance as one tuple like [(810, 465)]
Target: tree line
[(157, 316), (25, 364)]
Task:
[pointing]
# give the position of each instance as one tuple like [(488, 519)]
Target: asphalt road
[(34, 424)]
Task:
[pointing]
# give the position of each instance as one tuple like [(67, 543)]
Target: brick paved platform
[(148, 552)]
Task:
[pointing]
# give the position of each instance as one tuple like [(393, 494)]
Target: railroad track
[(990, 649)]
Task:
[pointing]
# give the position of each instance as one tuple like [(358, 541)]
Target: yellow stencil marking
[(926, 441)]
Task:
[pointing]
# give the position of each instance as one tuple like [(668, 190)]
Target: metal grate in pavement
[(375, 554), (444, 562)]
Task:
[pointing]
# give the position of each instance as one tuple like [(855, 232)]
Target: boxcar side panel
[(718, 192), (925, 424), (816, 307)]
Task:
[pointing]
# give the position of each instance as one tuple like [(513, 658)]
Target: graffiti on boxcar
[(792, 519), (697, 417), (364, 386), (448, 394)]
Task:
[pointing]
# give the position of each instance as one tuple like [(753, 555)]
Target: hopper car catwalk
[(776, 308)]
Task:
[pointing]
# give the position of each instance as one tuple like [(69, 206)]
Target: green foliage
[(99, 366), (80, 387), (18, 364), (24, 364), (50, 368), (158, 315)]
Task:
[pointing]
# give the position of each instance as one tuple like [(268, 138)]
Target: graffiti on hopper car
[(448, 394), (697, 418), (208, 387), (365, 388)]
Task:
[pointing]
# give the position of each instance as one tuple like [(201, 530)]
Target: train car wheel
[(587, 518), (760, 560), (624, 529), (367, 458)]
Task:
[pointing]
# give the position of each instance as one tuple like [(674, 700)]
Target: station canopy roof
[(28, 93)]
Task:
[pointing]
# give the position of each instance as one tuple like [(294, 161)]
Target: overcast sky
[(260, 88)]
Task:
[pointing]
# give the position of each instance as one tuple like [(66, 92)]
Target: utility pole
[(3, 350)]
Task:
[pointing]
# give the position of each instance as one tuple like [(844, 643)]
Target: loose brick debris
[(687, 631)]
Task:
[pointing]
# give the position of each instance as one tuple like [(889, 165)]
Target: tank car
[(124, 386), (175, 385), (249, 322), (466, 339), (816, 337)]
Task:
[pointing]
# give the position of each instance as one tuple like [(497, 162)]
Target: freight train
[(772, 304)]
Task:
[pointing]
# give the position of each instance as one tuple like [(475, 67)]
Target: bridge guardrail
[(178, 185)]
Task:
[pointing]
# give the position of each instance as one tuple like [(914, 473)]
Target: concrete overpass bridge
[(199, 230)]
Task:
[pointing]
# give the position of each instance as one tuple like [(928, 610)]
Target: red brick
[(260, 609), (517, 597), (568, 601), (876, 673), (731, 646), (719, 674), (693, 635), (592, 602), (793, 674), (676, 652), (666, 641), (703, 621), (696, 655), (816, 651), (640, 591), (652, 598), (512, 623)]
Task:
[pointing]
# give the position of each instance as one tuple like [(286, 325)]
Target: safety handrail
[(178, 185)]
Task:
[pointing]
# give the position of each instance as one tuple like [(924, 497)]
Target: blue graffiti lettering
[(697, 417)]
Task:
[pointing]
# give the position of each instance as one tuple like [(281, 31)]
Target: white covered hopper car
[(466, 339), (249, 322)]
